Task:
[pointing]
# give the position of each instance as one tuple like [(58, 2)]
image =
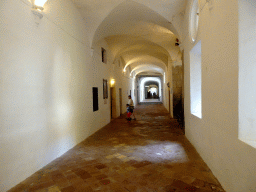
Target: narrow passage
[(149, 154)]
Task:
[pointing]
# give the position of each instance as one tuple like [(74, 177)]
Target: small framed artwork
[(105, 88), (103, 55)]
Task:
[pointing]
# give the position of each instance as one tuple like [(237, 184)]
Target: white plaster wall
[(127, 85), (123, 81), (215, 136), (39, 90), (100, 71), (41, 71), (169, 79), (46, 79)]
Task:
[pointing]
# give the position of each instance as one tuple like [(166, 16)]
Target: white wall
[(215, 136), (168, 79), (47, 74), (127, 85)]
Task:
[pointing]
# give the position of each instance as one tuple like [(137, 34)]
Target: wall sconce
[(112, 82), (38, 4), (37, 7)]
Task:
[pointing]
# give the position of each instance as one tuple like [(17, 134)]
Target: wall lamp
[(112, 82), (38, 4), (37, 8)]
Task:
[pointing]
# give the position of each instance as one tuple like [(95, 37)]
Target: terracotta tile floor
[(149, 154)]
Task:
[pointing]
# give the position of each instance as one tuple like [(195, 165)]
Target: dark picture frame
[(105, 88), (95, 99), (103, 55)]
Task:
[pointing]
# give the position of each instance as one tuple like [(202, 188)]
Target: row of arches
[(137, 33), (143, 38)]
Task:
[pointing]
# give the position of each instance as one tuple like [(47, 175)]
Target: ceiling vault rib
[(138, 31)]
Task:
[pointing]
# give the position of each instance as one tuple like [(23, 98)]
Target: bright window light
[(195, 81), (153, 90), (142, 85), (247, 71)]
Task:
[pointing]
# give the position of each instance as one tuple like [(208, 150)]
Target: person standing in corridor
[(130, 103)]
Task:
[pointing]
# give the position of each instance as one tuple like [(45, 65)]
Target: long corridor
[(149, 154)]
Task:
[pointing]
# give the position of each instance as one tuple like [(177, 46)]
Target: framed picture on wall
[(105, 88), (95, 99)]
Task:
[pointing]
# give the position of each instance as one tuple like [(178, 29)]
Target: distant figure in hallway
[(128, 112), (149, 95), (131, 106)]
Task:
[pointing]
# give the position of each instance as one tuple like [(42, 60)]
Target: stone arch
[(137, 34), (142, 84), (147, 68), (125, 16)]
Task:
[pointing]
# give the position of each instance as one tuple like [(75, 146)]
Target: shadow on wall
[(178, 110)]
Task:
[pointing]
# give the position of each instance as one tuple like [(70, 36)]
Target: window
[(247, 71), (95, 99), (103, 55), (194, 20), (195, 81)]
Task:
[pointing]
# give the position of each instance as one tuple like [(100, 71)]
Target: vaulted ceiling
[(138, 31)]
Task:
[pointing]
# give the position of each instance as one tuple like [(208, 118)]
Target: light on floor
[(157, 152)]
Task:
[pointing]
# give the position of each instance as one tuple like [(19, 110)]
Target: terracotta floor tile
[(52, 189), (76, 181), (131, 187), (84, 189), (96, 186), (183, 186), (100, 166), (63, 183), (18, 188), (141, 164), (150, 154), (82, 173), (170, 188), (40, 186), (101, 177), (57, 175), (105, 182), (68, 189), (71, 176)]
